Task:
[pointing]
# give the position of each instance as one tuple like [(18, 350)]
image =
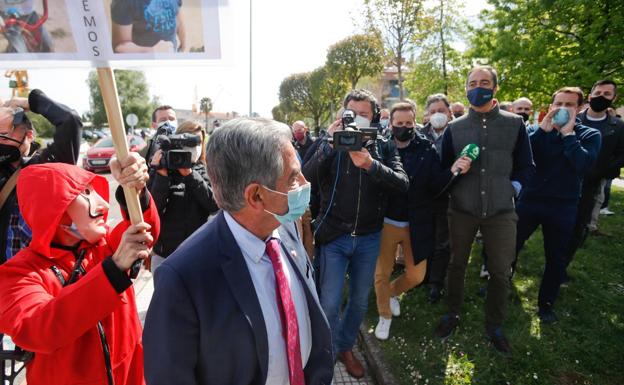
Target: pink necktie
[(288, 315)]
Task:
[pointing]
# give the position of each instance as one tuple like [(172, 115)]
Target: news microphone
[(471, 151)]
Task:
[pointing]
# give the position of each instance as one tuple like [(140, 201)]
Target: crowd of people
[(253, 234)]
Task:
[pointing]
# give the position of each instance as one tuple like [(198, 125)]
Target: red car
[(99, 155)]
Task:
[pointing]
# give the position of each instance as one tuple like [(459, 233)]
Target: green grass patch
[(586, 345)]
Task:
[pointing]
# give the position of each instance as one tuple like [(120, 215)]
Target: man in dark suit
[(236, 302)]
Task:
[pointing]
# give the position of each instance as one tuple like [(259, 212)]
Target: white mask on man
[(195, 153), (438, 120), (361, 122)]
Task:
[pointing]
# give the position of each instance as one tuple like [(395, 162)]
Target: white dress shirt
[(263, 278)]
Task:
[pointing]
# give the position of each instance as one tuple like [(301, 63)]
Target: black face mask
[(524, 115), (403, 134), (457, 114), (9, 154), (600, 103)]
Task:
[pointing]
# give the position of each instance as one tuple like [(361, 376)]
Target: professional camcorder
[(177, 150), (352, 137)]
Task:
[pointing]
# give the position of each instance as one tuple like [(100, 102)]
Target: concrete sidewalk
[(144, 288)]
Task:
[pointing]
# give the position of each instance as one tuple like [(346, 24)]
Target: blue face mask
[(298, 202), (383, 123), (479, 96), (561, 117)]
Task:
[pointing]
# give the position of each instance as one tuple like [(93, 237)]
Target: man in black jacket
[(440, 114), (301, 138), (17, 150), (353, 188), (610, 159), (409, 219)]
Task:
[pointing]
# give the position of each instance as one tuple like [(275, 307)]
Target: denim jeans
[(357, 257)]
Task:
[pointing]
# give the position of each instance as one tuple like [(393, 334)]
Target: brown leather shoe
[(352, 364)]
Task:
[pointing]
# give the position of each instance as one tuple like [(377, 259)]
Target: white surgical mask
[(438, 120), (195, 153), (361, 122)]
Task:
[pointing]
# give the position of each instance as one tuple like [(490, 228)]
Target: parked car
[(88, 134), (100, 133), (99, 155)]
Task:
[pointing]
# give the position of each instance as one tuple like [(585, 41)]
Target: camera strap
[(8, 187)]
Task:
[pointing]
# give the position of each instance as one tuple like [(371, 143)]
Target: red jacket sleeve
[(39, 321), (150, 216)]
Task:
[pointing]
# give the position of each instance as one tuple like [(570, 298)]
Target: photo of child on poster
[(155, 26), (35, 26)]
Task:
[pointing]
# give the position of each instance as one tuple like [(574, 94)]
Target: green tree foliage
[(538, 46), (399, 23), (279, 113), (355, 57), (205, 106), (42, 126), (438, 67), (313, 95), (133, 96)]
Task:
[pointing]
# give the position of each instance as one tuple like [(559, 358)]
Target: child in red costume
[(67, 297)]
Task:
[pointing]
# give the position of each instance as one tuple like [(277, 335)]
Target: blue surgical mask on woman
[(298, 202)]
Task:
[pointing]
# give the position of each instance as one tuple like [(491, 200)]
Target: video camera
[(352, 137), (177, 150)]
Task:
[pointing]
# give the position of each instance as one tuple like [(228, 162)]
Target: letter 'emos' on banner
[(105, 31)]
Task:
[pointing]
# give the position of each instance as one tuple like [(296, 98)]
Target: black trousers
[(583, 216)]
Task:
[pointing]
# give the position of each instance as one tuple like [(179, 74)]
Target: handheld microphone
[(471, 151)]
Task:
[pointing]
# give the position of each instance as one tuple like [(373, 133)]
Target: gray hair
[(245, 151)]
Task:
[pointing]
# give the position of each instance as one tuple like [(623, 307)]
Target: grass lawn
[(586, 345)]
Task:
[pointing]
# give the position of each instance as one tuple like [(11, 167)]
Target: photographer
[(182, 195), (353, 188), (17, 151)]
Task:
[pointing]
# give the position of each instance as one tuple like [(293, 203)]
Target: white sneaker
[(382, 331), (606, 211), (484, 273), (395, 306)]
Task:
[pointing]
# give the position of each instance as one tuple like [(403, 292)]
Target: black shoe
[(547, 316), (434, 294), (446, 326), (499, 342)]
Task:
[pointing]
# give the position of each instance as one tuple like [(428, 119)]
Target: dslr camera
[(177, 150), (352, 137)]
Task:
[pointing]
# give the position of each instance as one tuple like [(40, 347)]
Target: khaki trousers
[(391, 237)]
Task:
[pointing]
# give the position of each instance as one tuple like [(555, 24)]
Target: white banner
[(102, 31)]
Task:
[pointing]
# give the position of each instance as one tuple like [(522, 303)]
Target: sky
[(289, 36)]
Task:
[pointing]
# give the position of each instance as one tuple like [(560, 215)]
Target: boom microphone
[(471, 151)]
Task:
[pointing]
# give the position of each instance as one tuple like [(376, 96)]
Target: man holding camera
[(353, 187), (17, 150), (180, 187), (483, 199), (165, 122), (563, 150)]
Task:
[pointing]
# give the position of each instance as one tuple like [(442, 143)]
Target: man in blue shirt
[(563, 151)]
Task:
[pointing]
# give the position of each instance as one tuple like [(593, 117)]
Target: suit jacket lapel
[(239, 280), (298, 260)]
